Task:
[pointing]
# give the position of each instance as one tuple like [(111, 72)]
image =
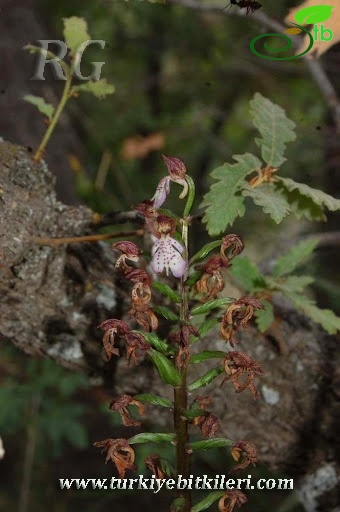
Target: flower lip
[(167, 255)]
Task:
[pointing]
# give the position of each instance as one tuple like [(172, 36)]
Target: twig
[(315, 68), (86, 238)]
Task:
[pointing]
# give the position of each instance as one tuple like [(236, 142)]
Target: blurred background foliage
[(183, 82)]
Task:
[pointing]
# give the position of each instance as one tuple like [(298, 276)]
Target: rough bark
[(54, 297)]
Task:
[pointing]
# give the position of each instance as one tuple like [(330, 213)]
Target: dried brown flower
[(121, 404), (231, 246), (237, 365), (112, 328), (234, 498), (154, 464), (249, 452), (129, 252), (209, 426), (212, 282), (120, 452), (238, 315), (135, 347)]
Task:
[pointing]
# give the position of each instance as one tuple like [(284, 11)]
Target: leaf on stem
[(275, 128), (205, 379), (307, 201), (154, 399), (167, 291), (207, 501), (75, 33), (224, 202), (205, 250), (271, 199), (167, 371), (45, 108), (156, 342), (205, 355), (211, 304), (99, 88), (166, 313), (150, 437), (208, 444)]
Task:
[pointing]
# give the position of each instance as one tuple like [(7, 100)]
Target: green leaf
[(223, 202), (154, 399), (264, 317), (155, 341), (177, 505), (329, 321), (149, 437), (301, 205), (99, 88), (193, 412), (271, 199), (206, 326), (290, 285), (194, 277), (275, 127), (206, 379), (167, 291), (207, 501), (208, 444), (206, 354), (247, 275), (45, 108), (211, 304), (166, 313), (294, 257), (308, 201), (167, 371), (313, 14), (205, 250), (75, 33)]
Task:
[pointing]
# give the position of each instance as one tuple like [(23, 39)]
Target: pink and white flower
[(167, 255)]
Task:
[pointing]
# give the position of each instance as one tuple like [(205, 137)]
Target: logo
[(54, 60), (309, 16)]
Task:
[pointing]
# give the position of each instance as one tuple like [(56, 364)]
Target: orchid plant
[(195, 291)]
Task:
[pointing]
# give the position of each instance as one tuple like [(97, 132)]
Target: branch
[(315, 68)]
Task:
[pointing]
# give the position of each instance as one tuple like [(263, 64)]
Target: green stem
[(181, 393), (65, 97)]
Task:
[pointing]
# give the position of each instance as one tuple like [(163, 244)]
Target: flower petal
[(163, 189)]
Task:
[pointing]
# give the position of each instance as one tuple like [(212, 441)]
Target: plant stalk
[(181, 393), (65, 97)]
